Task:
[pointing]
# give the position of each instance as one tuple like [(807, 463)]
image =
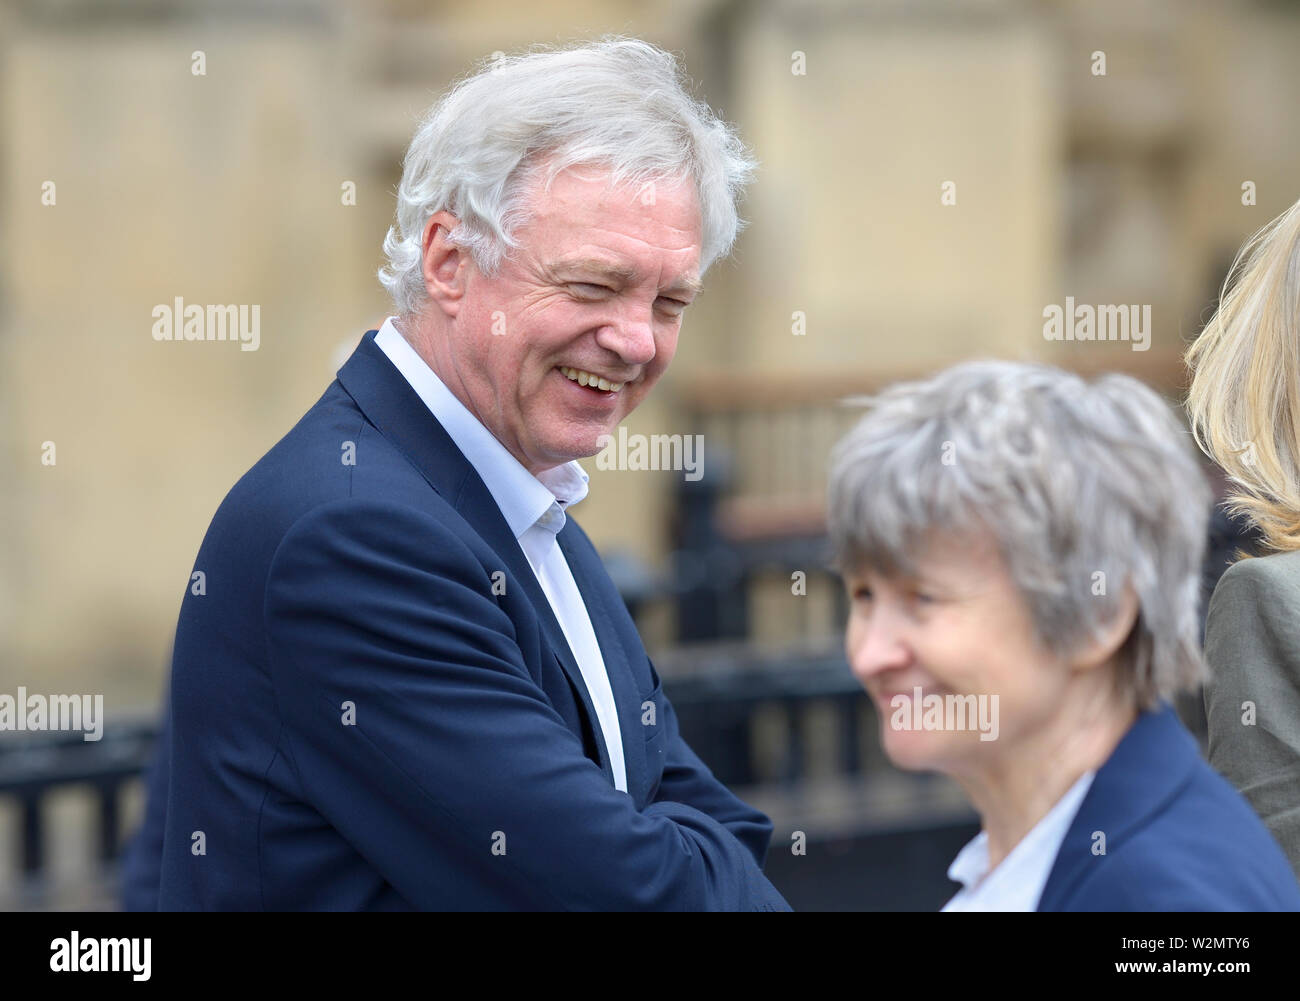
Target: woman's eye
[(862, 594)]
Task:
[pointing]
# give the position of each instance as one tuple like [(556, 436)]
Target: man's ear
[(445, 265), (1099, 648)]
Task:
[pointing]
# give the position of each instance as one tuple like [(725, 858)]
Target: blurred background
[(934, 175)]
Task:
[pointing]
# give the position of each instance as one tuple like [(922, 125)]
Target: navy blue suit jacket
[(361, 719), (1178, 837)]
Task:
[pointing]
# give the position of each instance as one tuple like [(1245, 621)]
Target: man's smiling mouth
[(590, 380)]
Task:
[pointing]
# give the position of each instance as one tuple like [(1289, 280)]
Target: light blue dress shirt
[(1018, 881)]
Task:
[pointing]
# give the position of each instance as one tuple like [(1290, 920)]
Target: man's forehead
[(578, 196), (582, 223)]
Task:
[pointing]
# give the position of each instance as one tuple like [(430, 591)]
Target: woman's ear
[(1101, 647)]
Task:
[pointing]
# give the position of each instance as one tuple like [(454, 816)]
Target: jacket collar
[(522, 497), (397, 412), (1147, 769)]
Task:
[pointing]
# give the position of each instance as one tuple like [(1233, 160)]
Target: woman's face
[(960, 632)]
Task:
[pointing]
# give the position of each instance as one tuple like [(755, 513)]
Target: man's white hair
[(519, 120)]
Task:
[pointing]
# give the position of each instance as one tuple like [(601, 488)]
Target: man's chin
[(577, 449), (593, 442)]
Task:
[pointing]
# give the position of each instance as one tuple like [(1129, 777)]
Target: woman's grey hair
[(1073, 479), (519, 120)]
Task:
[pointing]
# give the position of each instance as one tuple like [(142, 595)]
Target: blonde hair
[(1244, 400)]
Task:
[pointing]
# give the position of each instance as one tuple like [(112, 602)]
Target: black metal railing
[(34, 766), (720, 704)]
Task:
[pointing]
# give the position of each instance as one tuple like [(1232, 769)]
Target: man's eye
[(590, 291), (673, 307), (862, 594)]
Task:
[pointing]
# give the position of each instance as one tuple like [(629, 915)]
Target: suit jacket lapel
[(396, 410), (597, 592), (1145, 771), (476, 505)]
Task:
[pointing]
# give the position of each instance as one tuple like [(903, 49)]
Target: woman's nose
[(874, 647)]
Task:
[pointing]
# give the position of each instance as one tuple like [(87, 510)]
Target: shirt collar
[(1026, 868), (523, 498), (972, 862)]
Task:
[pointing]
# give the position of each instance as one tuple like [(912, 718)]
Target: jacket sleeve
[(1252, 699), (416, 729), (687, 779)]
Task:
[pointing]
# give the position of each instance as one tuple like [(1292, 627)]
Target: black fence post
[(712, 600), (109, 820), (33, 833)]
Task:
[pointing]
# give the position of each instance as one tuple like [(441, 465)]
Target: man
[(407, 681)]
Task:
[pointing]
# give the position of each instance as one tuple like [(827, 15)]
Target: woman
[(1022, 552), (1244, 404)]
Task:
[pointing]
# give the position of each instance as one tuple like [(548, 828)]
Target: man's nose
[(876, 646), (631, 336)]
